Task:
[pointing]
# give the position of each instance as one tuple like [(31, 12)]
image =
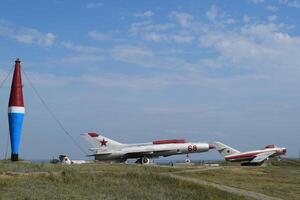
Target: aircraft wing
[(98, 154), (134, 154), (262, 156), (144, 153)]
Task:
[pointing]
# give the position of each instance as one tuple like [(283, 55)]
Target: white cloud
[(230, 21), (80, 54), (124, 81), (147, 13), (26, 35), (133, 54), (246, 18), (178, 38), (80, 48), (295, 4), (111, 80), (148, 26), (157, 82), (33, 36), (145, 57), (184, 19), (167, 32), (94, 5), (290, 3), (212, 13), (49, 39), (272, 18), (155, 37), (79, 59), (48, 79), (272, 8), (98, 36), (183, 38), (219, 18), (259, 46), (158, 32)]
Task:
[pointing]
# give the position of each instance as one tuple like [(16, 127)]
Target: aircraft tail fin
[(225, 150), (101, 142)]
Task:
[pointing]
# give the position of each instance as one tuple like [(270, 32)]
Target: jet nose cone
[(283, 151)]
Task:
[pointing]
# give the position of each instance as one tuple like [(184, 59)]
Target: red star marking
[(103, 142)]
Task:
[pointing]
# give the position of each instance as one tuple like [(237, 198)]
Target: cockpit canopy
[(270, 146)]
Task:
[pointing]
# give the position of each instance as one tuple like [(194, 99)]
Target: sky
[(138, 71)]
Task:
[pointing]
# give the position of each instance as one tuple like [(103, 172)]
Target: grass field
[(120, 181), (282, 179)]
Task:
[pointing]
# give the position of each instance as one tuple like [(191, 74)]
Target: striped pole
[(16, 111)]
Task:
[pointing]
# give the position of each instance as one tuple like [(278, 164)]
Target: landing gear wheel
[(187, 160), (145, 160)]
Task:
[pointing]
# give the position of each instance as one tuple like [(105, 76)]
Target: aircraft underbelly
[(241, 159), (112, 156)]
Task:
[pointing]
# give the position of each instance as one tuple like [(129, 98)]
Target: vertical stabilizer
[(101, 142), (225, 150)]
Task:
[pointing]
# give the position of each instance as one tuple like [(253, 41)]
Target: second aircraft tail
[(225, 150)]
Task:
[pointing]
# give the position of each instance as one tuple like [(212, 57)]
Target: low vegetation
[(119, 181), (97, 181), (280, 179)]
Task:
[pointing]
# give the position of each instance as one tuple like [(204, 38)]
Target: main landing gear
[(143, 161)]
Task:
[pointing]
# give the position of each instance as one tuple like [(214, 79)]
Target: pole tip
[(18, 60)]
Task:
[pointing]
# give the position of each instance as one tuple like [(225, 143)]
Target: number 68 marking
[(192, 148)]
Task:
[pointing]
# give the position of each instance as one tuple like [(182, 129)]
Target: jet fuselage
[(249, 155), (150, 150)]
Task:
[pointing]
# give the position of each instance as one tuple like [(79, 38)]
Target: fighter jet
[(105, 149), (64, 159), (255, 157)]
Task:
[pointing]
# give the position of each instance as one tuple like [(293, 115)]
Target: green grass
[(98, 181), (282, 179)]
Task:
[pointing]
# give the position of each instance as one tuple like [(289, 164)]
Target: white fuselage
[(150, 150), (249, 155)]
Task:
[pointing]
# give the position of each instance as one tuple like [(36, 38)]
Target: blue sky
[(138, 71)]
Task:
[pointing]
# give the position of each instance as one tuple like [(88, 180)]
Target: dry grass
[(282, 179), (98, 181)]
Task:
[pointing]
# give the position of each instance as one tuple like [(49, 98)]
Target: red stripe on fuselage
[(176, 141)]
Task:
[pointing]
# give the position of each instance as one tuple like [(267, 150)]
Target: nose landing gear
[(187, 160)]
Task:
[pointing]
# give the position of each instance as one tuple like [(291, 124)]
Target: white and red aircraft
[(105, 149), (255, 157)]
